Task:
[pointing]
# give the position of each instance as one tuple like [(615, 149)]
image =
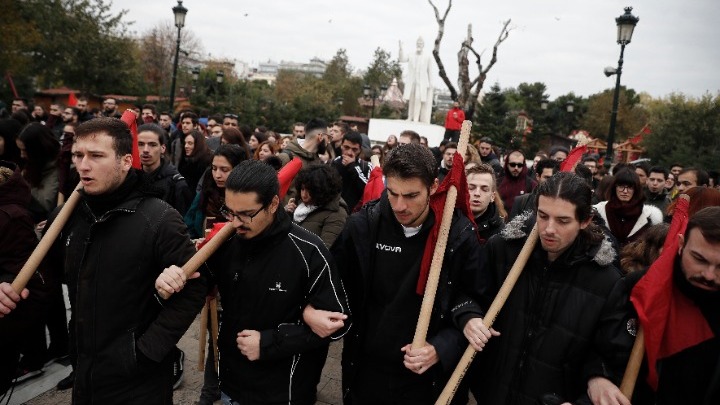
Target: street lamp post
[(179, 12), (570, 108), (625, 25), (369, 92), (219, 76), (195, 76)]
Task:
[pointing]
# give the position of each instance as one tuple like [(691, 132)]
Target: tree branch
[(436, 49), (479, 81)]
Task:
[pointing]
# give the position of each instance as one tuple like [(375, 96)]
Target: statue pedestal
[(380, 128)]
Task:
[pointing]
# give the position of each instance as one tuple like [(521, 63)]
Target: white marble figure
[(418, 84)]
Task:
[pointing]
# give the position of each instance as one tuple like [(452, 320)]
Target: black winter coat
[(121, 330), (175, 189), (265, 283), (558, 326), (355, 251)]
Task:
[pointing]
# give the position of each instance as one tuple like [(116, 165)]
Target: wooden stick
[(492, 313), (202, 340), (46, 242), (204, 253), (627, 386), (439, 253), (214, 331)]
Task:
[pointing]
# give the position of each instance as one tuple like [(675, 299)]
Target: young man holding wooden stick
[(379, 256), (115, 243), (267, 272), (561, 321)]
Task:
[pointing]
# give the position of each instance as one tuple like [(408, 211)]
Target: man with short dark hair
[(485, 148), (188, 123), (148, 113), (166, 123), (559, 153), (447, 160), (453, 122), (230, 121), (407, 137), (691, 177), (354, 171), (110, 108), (19, 103), (161, 173), (655, 193), (546, 168), (559, 326), (298, 130), (267, 272), (643, 171), (675, 169), (114, 245), (378, 254), (70, 115), (592, 163), (313, 145), (82, 105)]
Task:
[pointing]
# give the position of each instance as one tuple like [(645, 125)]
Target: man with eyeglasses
[(110, 108), (516, 181), (267, 273)]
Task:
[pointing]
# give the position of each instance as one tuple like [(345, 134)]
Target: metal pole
[(174, 76), (372, 112), (613, 115)]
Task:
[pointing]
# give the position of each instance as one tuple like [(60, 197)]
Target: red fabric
[(568, 165), (671, 321), (215, 229), (72, 100), (374, 187), (454, 123), (639, 137), (456, 177), (130, 119), (287, 174)]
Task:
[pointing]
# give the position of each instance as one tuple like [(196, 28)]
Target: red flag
[(671, 321), (374, 187), (573, 158), (130, 119), (72, 100), (456, 177), (287, 174)]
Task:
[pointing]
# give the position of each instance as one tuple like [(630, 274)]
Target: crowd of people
[(324, 263)]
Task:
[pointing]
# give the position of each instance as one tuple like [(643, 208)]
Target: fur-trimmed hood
[(602, 253), (649, 214)]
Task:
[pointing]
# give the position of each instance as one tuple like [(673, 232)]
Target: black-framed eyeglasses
[(518, 165), (244, 218), (624, 187)]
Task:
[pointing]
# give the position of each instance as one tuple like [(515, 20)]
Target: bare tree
[(469, 88)]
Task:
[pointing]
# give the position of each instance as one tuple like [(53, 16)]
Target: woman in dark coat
[(320, 208)]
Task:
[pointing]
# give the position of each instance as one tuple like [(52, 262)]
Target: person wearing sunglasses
[(516, 180)]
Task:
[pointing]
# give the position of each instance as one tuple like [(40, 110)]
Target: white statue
[(418, 85)]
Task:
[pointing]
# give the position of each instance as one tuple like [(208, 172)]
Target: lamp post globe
[(179, 11), (625, 26)]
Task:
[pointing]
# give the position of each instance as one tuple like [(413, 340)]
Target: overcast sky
[(563, 43)]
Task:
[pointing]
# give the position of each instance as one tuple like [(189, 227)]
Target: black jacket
[(122, 332), (175, 189), (489, 223), (355, 250), (559, 324), (265, 283), (354, 178)]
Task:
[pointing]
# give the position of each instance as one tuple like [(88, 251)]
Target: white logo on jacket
[(278, 287), (388, 248)]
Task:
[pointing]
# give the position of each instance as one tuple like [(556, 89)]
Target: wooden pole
[(492, 313), (419, 340), (46, 242), (627, 386), (204, 253), (202, 340), (214, 330)]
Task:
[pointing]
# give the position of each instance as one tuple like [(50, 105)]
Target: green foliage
[(382, 69), (75, 43), (631, 116), (493, 118), (685, 130)]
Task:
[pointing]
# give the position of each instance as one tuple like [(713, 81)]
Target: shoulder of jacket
[(654, 214)]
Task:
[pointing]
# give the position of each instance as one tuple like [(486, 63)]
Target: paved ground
[(42, 391)]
